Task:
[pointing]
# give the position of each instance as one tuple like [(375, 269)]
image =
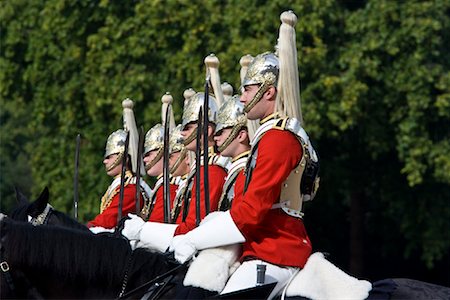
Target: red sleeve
[(273, 166), (157, 214), (108, 218), (158, 211), (216, 176)]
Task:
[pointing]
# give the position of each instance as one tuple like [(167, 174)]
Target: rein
[(125, 276), (153, 281)]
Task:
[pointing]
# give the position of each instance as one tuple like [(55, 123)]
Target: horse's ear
[(20, 197), (42, 200), (38, 206)]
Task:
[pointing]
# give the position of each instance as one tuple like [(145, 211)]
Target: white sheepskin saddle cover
[(212, 267), (320, 279)]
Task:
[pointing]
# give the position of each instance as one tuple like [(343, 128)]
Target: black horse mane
[(72, 255)]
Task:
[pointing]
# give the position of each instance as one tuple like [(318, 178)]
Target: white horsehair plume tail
[(212, 68), (167, 100), (129, 124), (288, 97)]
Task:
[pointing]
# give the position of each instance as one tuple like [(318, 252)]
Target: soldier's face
[(183, 167), (109, 161), (264, 107), (220, 138), (187, 131), (157, 168)]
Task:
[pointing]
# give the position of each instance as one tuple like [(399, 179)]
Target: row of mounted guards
[(212, 83)]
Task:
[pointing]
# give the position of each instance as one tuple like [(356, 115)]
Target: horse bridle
[(42, 218), (4, 268)]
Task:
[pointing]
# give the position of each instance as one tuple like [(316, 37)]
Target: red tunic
[(271, 234), (216, 176), (108, 218), (157, 214)]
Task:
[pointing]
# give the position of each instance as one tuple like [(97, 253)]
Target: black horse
[(56, 262), (40, 212)]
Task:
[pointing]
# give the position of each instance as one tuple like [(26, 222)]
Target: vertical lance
[(205, 145), (197, 168), (75, 177), (166, 180), (138, 169), (122, 177)]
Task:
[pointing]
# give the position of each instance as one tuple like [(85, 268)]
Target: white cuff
[(156, 236), (219, 231)]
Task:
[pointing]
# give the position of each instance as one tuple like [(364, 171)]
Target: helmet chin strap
[(116, 162), (258, 95), (179, 160), (234, 132), (155, 160), (191, 137)]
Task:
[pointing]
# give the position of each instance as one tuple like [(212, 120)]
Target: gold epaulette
[(219, 160), (109, 195)]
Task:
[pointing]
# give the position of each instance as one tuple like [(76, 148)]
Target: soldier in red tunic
[(179, 168), (153, 160), (157, 236), (114, 151), (280, 174)]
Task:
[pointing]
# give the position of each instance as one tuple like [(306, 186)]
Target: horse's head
[(40, 212), (26, 211)]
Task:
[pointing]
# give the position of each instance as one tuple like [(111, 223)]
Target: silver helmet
[(115, 144), (191, 110), (262, 71), (176, 144), (192, 107), (231, 115), (154, 140)]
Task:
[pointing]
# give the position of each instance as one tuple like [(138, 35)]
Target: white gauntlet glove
[(184, 249), (219, 231), (132, 227)]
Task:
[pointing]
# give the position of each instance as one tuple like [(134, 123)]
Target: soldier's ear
[(211, 129), (243, 135), (271, 93)]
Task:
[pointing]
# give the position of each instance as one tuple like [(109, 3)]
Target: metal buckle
[(4, 266)]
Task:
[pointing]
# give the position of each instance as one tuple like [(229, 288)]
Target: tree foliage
[(375, 94)]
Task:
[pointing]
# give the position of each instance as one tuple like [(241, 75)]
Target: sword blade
[(138, 170), (166, 182), (197, 168), (205, 146), (122, 177)]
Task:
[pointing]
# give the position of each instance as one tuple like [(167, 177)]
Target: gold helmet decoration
[(176, 144), (231, 115), (262, 71), (154, 140)]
